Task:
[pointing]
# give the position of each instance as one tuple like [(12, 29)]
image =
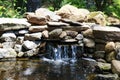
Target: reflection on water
[(45, 70)]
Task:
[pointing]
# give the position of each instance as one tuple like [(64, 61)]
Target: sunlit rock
[(72, 13)]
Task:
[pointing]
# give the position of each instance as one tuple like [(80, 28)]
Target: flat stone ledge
[(13, 24)]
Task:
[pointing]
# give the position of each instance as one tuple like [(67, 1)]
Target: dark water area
[(45, 69)]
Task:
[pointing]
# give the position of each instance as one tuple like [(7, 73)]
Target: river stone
[(37, 28), (89, 43), (57, 24), (106, 33), (88, 33), (8, 37), (33, 36), (116, 66), (7, 53), (18, 48), (110, 46), (45, 34), (54, 34), (63, 34), (13, 24), (73, 34), (103, 77), (19, 40), (51, 16), (79, 37), (29, 45)]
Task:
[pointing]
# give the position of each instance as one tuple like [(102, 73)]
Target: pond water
[(46, 69)]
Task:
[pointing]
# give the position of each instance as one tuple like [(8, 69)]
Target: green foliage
[(113, 9), (7, 9)]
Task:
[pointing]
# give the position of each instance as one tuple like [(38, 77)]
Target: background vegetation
[(15, 8)]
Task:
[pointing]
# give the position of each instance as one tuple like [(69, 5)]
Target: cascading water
[(62, 52)]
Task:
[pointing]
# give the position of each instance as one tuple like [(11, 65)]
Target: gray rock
[(106, 33), (7, 53), (18, 48), (8, 44), (8, 37), (54, 34), (13, 24), (19, 40), (45, 34), (89, 43), (79, 37), (33, 36), (38, 28), (29, 45), (116, 66)]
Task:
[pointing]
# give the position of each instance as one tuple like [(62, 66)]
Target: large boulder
[(96, 17), (106, 33), (72, 13)]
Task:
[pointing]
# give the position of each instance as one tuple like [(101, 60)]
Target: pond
[(45, 69)]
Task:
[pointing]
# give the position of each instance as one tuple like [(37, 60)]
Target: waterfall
[(62, 52)]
